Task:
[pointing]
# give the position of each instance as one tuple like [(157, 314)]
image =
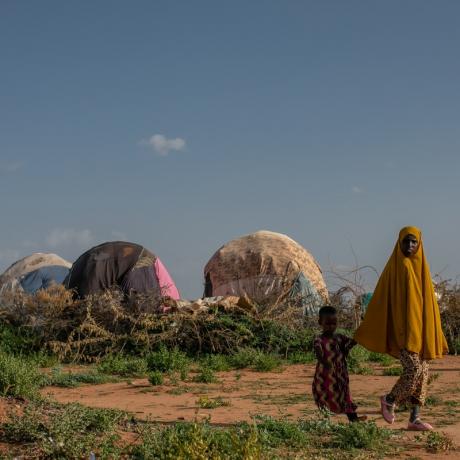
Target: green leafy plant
[(206, 403), (381, 358), (217, 362), (264, 362), (165, 360), (69, 379), (19, 377), (393, 371), (438, 442), (124, 366), (155, 377), (205, 375)]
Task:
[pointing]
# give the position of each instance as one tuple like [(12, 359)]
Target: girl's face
[(328, 323), (409, 245)]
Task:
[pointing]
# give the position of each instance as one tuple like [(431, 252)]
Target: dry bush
[(448, 294), (85, 330)]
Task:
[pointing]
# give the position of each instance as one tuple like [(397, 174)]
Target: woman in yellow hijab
[(403, 320)]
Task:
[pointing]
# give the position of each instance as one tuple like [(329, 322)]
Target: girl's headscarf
[(403, 312)]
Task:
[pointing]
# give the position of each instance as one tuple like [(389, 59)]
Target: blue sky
[(334, 122)]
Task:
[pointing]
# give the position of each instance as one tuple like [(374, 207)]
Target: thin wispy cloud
[(60, 237), (164, 146)]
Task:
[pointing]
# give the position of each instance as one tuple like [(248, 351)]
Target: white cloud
[(11, 166), (163, 146), (68, 236), (356, 189)]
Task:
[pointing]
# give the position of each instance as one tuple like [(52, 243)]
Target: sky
[(181, 125)]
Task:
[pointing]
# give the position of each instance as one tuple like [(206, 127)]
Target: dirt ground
[(281, 394)]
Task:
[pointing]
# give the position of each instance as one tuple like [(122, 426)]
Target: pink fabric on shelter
[(167, 286)]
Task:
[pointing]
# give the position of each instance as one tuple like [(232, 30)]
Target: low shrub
[(206, 403), (302, 357), (155, 377), (217, 363), (198, 441), (59, 378), (165, 360), (363, 435), (276, 433), (244, 357), (357, 359), (68, 431), (264, 362), (393, 371), (381, 358), (205, 375), (19, 377), (438, 442), (124, 366)]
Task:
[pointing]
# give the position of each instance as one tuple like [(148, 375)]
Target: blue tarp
[(306, 295), (43, 277)]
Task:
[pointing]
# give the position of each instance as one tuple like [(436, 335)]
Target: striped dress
[(331, 386)]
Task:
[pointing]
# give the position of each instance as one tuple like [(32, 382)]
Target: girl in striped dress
[(331, 387)]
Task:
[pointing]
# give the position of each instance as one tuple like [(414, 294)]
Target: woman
[(403, 321)]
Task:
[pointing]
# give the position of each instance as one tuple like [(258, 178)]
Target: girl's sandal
[(418, 425), (388, 410)]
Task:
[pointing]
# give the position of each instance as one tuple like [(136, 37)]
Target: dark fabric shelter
[(128, 266)]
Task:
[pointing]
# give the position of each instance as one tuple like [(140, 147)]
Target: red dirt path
[(280, 394)]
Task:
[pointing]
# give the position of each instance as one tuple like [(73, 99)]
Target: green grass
[(383, 359), (68, 431), (198, 441), (356, 361), (124, 366), (205, 375), (276, 433), (433, 400), (255, 359), (217, 362), (438, 442), (302, 357), (166, 360), (393, 371), (69, 379), (264, 362), (244, 357), (19, 377), (54, 431), (155, 378), (206, 403)]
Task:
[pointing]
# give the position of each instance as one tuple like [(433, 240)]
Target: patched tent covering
[(128, 266), (34, 272), (268, 268)]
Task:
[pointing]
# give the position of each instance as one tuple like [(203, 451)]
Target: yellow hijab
[(403, 311)]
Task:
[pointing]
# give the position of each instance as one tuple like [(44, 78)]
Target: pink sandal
[(388, 410), (418, 425)]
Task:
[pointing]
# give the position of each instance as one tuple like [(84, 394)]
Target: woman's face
[(409, 245)]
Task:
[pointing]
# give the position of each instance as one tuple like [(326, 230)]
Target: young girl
[(331, 383)]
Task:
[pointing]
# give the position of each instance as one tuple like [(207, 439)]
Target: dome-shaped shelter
[(269, 268), (34, 272), (129, 266)]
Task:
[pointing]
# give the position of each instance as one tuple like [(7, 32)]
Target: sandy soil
[(281, 394)]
